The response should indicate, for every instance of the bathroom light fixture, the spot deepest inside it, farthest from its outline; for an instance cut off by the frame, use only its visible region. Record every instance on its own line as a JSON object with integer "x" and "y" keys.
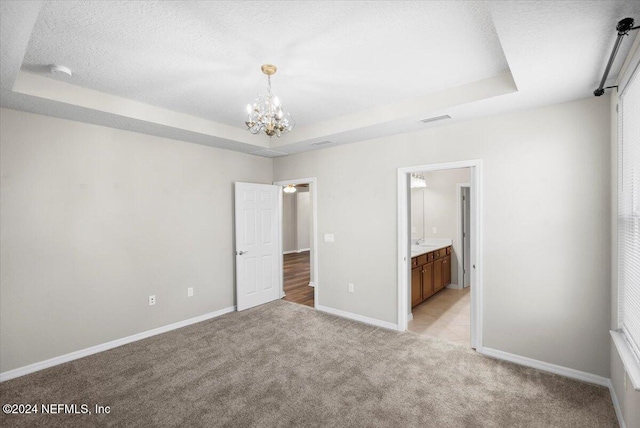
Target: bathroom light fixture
{"x": 291, "y": 188}
{"x": 266, "y": 114}
{"x": 418, "y": 181}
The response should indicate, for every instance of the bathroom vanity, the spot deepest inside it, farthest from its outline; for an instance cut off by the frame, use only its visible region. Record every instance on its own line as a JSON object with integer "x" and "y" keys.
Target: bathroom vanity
{"x": 430, "y": 272}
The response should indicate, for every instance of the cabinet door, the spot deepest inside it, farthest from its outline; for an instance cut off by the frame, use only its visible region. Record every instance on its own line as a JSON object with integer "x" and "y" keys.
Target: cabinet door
{"x": 416, "y": 286}
{"x": 446, "y": 271}
{"x": 437, "y": 275}
{"x": 427, "y": 280}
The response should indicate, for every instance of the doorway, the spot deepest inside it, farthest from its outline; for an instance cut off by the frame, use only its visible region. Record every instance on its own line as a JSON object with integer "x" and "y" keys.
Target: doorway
{"x": 298, "y": 199}
{"x": 440, "y": 252}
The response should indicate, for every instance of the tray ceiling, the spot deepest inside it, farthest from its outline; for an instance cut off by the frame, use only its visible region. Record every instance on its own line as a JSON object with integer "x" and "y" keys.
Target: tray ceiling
{"x": 348, "y": 71}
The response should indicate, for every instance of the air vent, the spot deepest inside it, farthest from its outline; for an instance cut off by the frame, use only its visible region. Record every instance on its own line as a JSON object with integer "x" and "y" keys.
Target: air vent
{"x": 322, "y": 143}
{"x": 434, "y": 119}
{"x": 268, "y": 153}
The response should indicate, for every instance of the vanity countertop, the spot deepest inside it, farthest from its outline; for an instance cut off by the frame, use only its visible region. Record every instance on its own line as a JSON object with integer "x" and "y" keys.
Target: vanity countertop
{"x": 429, "y": 245}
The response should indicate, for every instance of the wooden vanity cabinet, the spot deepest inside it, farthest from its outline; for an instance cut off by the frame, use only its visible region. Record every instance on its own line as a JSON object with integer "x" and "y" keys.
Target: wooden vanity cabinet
{"x": 416, "y": 285}
{"x": 446, "y": 270}
{"x": 427, "y": 281}
{"x": 430, "y": 273}
{"x": 438, "y": 283}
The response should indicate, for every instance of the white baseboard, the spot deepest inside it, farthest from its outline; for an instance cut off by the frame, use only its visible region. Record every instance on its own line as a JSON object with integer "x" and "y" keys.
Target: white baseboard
{"x": 312, "y": 284}
{"x": 454, "y": 286}
{"x": 289, "y": 252}
{"x": 21, "y": 371}
{"x": 302, "y": 250}
{"x": 410, "y": 317}
{"x": 356, "y": 317}
{"x": 616, "y": 405}
{"x": 547, "y": 367}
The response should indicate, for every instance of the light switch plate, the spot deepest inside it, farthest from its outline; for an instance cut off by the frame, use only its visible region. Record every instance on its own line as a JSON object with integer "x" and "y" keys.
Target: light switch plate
{"x": 434, "y": 230}
{"x": 328, "y": 237}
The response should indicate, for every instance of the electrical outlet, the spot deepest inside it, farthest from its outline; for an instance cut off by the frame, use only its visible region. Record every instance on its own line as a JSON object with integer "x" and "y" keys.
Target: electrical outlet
{"x": 351, "y": 287}
{"x": 152, "y": 300}
{"x": 190, "y": 292}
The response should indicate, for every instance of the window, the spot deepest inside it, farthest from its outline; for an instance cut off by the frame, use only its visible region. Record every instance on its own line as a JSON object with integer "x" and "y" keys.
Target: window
{"x": 629, "y": 214}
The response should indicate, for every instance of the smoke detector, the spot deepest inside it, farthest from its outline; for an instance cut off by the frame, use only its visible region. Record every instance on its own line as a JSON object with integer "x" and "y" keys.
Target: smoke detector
{"x": 58, "y": 69}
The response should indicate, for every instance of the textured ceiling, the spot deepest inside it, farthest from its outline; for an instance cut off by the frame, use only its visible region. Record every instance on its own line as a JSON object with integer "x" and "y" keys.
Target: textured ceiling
{"x": 348, "y": 71}
{"x": 203, "y": 58}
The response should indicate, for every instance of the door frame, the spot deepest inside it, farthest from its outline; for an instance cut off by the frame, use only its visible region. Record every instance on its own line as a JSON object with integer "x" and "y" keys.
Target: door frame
{"x": 313, "y": 190}
{"x": 404, "y": 243}
{"x": 460, "y": 243}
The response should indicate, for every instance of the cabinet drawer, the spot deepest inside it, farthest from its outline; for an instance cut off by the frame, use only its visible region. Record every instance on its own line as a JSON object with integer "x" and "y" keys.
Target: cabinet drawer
{"x": 439, "y": 253}
{"x": 414, "y": 262}
{"x": 448, "y": 250}
{"x": 422, "y": 259}
{"x": 429, "y": 257}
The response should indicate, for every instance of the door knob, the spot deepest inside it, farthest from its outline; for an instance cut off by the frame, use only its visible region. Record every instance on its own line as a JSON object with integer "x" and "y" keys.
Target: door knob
{"x": 241, "y": 252}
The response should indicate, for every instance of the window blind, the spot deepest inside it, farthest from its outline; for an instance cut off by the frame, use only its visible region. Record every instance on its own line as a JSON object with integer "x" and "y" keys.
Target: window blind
{"x": 629, "y": 212}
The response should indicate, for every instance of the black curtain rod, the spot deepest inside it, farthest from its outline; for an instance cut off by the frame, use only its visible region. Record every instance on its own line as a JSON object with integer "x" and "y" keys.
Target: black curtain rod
{"x": 623, "y": 28}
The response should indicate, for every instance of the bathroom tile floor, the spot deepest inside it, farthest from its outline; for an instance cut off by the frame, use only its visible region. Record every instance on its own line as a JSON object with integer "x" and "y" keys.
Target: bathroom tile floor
{"x": 446, "y": 316}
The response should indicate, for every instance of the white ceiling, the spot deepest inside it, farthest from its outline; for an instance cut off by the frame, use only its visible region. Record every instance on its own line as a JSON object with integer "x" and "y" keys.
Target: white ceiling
{"x": 348, "y": 71}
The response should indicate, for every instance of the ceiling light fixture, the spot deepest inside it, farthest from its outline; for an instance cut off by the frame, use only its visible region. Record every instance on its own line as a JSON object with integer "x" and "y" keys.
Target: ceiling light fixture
{"x": 418, "y": 181}
{"x": 266, "y": 114}
{"x": 291, "y": 188}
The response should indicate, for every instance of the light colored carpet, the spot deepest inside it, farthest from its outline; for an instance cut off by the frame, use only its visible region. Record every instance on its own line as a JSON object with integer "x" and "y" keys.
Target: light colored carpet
{"x": 283, "y": 364}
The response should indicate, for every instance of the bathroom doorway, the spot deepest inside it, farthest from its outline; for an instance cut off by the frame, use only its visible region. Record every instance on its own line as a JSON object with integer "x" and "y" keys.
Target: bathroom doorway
{"x": 440, "y": 305}
{"x": 298, "y": 243}
{"x": 431, "y": 274}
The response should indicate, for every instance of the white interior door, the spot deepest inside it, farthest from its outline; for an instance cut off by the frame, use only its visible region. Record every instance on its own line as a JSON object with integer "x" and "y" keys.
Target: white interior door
{"x": 257, "y": 244}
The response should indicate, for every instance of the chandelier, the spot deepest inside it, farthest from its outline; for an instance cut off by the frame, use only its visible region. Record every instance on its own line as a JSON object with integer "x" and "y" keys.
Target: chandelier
{"x": 266, "y": 114}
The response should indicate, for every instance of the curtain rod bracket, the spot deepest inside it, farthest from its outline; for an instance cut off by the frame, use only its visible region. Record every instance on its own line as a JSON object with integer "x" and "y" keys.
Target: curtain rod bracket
{"x": 624, "y": 26}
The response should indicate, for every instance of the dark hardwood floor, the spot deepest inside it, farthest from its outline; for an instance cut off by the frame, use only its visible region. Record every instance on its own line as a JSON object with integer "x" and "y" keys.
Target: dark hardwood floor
{"x": 296, "y": 278}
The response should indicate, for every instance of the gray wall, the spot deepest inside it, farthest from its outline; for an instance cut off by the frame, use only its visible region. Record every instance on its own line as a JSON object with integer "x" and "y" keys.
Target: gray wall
{"x": 303, "y": 211}
{"x": 289, "y": 223}
{"x": 94, "y": 220}
{"x": 296, "y": 221}
{"x": 437, "y": 206}
{"x": 546, "y": 225}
